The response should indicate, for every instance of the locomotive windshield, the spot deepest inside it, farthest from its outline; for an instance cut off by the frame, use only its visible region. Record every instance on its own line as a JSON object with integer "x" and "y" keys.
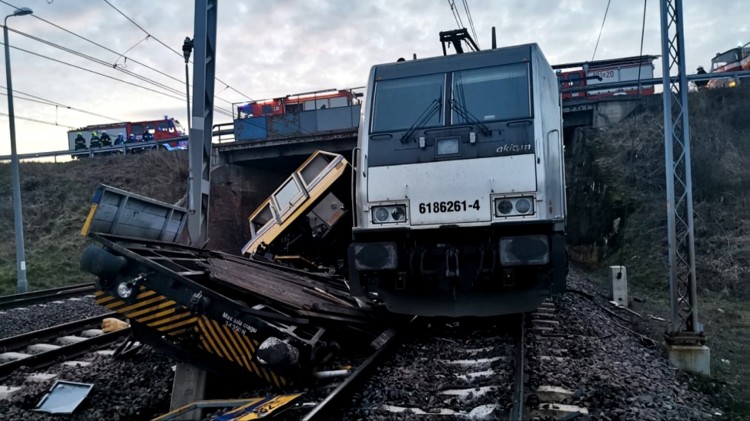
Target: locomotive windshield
{"x": 477, "y": 96}
{"x": 494, "y": 93}
{"x": 401, "y": 103}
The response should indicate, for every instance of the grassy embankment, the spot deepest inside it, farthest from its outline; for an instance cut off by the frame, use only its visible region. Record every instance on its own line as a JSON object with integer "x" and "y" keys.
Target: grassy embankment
{"x": 56, "y": 198}
{"x": 629, "y": 159}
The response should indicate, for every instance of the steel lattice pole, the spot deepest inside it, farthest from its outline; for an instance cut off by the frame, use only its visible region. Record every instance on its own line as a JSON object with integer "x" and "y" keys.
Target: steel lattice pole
{"x": 684, "y": 326}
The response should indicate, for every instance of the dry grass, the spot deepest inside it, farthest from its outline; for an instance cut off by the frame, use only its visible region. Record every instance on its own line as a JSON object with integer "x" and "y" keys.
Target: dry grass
{"x": 56, "y": 199}
{"x": 629, "y": 160}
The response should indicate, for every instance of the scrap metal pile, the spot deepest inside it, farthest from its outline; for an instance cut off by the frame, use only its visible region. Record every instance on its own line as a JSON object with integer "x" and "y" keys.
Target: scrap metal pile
{"x": 225, "y": 313}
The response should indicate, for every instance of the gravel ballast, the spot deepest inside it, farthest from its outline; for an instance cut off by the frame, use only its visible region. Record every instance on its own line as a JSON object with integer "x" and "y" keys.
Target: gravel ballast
{"x": 40, "y": 316}
{"x": 614, "y": 373}
{"x": 135, "y": 388}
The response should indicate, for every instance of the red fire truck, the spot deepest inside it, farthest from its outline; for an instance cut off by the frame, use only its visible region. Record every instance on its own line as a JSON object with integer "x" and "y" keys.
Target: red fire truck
{"x": 164, "y": 129}
{"x": 734, "y": 60}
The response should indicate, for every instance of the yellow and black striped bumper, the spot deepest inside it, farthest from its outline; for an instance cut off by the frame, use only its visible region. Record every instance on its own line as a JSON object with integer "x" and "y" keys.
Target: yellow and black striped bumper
{"x": 155, "y": 311}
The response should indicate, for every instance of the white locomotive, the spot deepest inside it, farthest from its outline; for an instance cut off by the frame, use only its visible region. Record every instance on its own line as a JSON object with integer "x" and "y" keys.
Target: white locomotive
{"x": 459, "y": 185}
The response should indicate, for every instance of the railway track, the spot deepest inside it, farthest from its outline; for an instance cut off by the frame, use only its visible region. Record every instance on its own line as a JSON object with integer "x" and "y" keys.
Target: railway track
{"x": 459, "y": 370}
{"x": 44, "y": 347}
{"x": 551, "y": 352}
{"x": 46, "y": 295}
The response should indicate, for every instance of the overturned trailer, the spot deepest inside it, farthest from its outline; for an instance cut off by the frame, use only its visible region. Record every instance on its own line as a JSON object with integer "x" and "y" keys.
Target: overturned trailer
{"x": 222, "y": 312}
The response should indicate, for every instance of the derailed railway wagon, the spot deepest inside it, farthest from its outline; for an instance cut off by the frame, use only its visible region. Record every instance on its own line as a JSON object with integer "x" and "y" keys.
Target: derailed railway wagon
{"x": 222, "y": 312}
{"x": 459, "y": 185}
{"x": 306, "y": 221}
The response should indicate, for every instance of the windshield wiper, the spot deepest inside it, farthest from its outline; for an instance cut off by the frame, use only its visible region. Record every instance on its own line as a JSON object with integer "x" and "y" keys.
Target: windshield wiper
{"x": 469, "y": 117}
{"x": 432, "y": 108}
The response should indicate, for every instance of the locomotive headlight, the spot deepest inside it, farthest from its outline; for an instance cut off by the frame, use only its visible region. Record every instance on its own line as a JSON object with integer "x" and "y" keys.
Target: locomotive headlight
{"x": 398, "y": 214}
{"x": 124, "y": 290}
{"x": 514, "y": 206}
{"x": 503, "y": 206}
{"x": 388, "y": 214}
{"x": 524, "y": 250}
{"x": 381, "y": 214}
{"x": 523, "y": 205}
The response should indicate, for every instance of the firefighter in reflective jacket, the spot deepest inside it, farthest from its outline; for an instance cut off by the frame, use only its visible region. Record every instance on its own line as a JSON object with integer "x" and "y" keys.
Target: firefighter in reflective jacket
{"x": 95, "y": 143}
{"x": 80, "y": 142}
{"x": 106, "y": 140}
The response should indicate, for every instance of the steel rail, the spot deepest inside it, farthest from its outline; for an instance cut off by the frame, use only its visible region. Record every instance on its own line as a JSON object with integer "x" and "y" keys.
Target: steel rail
{"x": 48, "y": 358}
{"x": 517, "y": 412}
{"x": 345, "y": 390}
{"x": 39, "y": 336}
{"x": 34, "y": 297}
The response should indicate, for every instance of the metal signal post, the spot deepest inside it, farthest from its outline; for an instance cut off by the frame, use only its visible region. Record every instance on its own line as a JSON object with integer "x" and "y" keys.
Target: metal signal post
{"x": 204, "y": 71}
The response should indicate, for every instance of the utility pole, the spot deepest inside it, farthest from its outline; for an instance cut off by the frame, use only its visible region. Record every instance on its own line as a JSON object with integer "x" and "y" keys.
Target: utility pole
{"x": 22, "y": 283}
{"x": 685, "y": 339}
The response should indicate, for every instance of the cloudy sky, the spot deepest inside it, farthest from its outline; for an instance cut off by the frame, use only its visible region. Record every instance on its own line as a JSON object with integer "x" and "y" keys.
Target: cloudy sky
{"x": 274, "y": 48}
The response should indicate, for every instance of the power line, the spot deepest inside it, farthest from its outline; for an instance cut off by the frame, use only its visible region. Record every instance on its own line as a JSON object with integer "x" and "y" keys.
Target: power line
{"x": 37, "y": 121}
{"x": 98, "y": 61}
{"x": 94, "y": 72}
{"x": 471, "y": 21}
{"x": 643, "y": 33}
{"x": 456, "y": 15}
{"x": 179, "y": 53}
{"x": 34, "y": 98}
{"x": 104, "y": 63}
{"x": 601, "y": 29}
{"x": 167, "y": 88}
{"x": 120, "y": 55}
{"x": 111, "y": 77}
{"x": 631, "y": 158}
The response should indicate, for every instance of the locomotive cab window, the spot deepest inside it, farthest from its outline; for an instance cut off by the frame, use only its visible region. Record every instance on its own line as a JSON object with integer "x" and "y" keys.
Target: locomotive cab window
{"x": 413, "y": 101}
{"x": 489, "y": 94}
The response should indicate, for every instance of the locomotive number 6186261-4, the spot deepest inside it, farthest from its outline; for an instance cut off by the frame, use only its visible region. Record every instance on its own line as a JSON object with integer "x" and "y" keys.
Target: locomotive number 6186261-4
{"x": 448, "y": 206}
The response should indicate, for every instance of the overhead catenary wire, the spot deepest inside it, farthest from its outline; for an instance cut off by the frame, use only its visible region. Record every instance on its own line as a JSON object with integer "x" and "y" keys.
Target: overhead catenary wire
{"x": 107, "y": 76}
{"x": 606, "y": 11}
{"x": 40, "y": 100}
{"x": 98, "y": 61}
{"x": 633, "y": 139}
{"x": 471, "y": 21}
{"x": 105, "y": 64}
{"x": 179, "y": 53}
{"x": 117, "y": 67}
{"x": 37, "y": 121}
{"x": 456, "y": 15}
{"x": 460, "y": 23}
{"x": 120, "y": 55}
